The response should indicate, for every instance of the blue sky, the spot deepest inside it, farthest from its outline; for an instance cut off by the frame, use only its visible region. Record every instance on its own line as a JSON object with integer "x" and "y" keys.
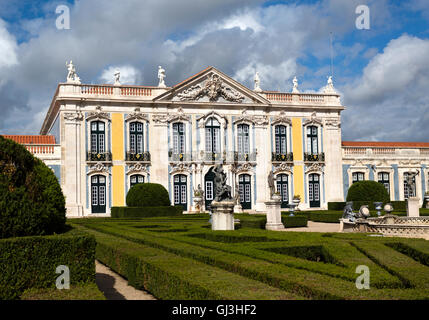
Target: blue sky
{"x": 382, "y": 73}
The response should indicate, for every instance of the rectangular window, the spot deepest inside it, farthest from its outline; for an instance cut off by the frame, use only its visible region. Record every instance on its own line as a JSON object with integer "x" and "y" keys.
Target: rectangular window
{"x": 102, "y": 196}
{"x": 209, "y": 190}
{"x": 176, "y": 195}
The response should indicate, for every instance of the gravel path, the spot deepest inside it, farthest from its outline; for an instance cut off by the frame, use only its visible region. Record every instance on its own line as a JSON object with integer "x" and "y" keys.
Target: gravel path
{"x": 317, "y": 227}
{"x": 115, "y": 287}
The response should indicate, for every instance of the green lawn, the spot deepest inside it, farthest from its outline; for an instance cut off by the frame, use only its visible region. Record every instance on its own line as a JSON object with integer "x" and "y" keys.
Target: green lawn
{"x": 181, "y": 258}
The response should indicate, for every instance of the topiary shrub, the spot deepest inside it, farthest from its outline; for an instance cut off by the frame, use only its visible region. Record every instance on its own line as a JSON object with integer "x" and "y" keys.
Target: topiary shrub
{"x": 31, "y": 200}
{"x": 148, "y": 195}
{"x": 368, "y": 191}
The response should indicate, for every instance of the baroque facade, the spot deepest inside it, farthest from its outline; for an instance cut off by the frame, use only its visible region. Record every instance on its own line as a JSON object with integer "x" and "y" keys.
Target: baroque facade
{"x": 113, "y": 136}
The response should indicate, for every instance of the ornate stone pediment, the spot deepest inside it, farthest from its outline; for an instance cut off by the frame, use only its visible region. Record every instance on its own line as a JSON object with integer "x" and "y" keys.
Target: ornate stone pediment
{"x": 179, "y": 116}
{"x": 281, "y": 119}
{"x": 314, "y": 120}
{"x": 211, "y": 85}
{"x": 181, "y": 168}
{"x": 315, "y": 167}
{"x": 98, "y": 168}
{"x": 282, "y": 167}
{"x": 202, "y": 120}
{"x": 138, "y": 168}
{"x": 137, "y": 115}
{"x": 245, "y": 167}
{"x": 98, "y": 115}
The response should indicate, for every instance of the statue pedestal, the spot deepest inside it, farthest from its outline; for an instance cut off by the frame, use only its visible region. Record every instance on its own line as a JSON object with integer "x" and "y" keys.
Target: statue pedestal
{"x": 274, "y": 218}
{"x": 413, "y": 207}
{"x": 222, "y": 215}
{"x": 238, "y": 208}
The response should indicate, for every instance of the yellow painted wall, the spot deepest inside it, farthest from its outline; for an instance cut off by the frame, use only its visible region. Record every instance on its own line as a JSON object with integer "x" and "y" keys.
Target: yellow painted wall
{"x": 118, "y": 136}
{"x": 118, "y": 177}
{"x": 118, "y": 148}
{"x": 298, "y": 170}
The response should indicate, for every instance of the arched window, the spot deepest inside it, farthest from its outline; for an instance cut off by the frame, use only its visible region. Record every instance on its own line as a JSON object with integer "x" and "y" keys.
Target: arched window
{"x": 97, "y": 137}
{"x": 281, "y": 139}
{"x": 243, "y": 138}
{"x": 383, "y": 177}
{"x": 312, "y": 140}
{"x": 213, "y": 135}
{"x": 358, "y": 176}
{"x": 136, "y": 138}
{"x": 135, "y": 179}
{"x": 178, "y": 138}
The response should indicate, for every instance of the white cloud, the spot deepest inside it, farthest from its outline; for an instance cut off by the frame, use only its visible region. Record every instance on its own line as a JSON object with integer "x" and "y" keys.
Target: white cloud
{"x": 8, "y": 47}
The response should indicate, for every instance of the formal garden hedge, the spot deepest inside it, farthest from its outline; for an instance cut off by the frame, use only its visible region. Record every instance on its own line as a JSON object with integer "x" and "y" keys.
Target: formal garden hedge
{"x": 147, "y": 195}
{"x": 197, "y": 263}
{"x": 140, "y": 212}
{"x": 259, "y": 221}
{"x": 31, "y": 262}
{"x": 31, "y": 200}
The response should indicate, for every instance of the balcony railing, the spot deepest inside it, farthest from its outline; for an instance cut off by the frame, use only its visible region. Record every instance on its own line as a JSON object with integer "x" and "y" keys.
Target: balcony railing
{"x": 211, "y": 156}
{"x": 241, "y": 157}
{"x": 143, "y": 157}
{"x": 282, "y": 157}
{"x": 99, "y": 156}
{"x": 180, "y": 156}
{"x": 316, "y": 157}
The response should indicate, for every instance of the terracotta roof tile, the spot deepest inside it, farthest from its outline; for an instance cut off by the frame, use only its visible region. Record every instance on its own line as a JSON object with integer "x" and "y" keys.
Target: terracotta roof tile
{"x": 380, "y": 144}
{"x": 28, "y": 139}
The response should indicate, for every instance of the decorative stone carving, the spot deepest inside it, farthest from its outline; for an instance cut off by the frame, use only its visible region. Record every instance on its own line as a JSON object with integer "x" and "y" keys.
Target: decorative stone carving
{"x": 160, "y": 118}
{"x": 282, "y": 167}
{"x": 333, "y": 123}
{"x": 222, "y": 190}
{"x": 179, "y": 116}
{"x": 213, "y": 88}
{"x": 271, "y": 183}
{"x": 314, "y": 120}
{"x": 315, "y": 167}
{"x": 138, "y": 168}
{"x": 98, "y": 168}
{"x": 281, "y": 119}
{"x": 137, "y": 115}
{"x": 260, "y": 120}
{"x": 98, "y": 115}
{"x": 72, "y": 76}
{"x": 181, "y": 168}
{"x": 73, "y": 116}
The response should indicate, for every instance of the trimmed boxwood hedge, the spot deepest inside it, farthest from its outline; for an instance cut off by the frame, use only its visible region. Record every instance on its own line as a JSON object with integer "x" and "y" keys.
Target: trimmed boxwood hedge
{"x": 295, "y": 221}
{"x": 31, "y": 200}
{"x": 368, "y": 190}
{"x": 148, "y": 195}
{"x": 31, "y": 262}
{"x": 140, "y": 212}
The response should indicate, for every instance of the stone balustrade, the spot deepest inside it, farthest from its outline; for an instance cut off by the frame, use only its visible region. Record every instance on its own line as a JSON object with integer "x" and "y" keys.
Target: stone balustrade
{"x": 302, "y": 98}
{"x": 352, "y": 152}
{"x": 44, "y": 151}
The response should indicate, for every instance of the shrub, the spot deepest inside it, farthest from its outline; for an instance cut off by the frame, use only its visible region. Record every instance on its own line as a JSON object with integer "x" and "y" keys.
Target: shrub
{"x": 336, "y": 205}
{"x": 294, "y": 222}
{"x": 370, "y": 191}
{"x": 139, "y": 212}
{"x": 148, "y": 195}
{"x": 30, "y": 262}
{"x": 31, "y": 200}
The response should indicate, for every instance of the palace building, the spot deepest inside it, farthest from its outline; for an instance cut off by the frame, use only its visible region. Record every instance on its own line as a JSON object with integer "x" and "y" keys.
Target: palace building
{"x": 110, "y": 137}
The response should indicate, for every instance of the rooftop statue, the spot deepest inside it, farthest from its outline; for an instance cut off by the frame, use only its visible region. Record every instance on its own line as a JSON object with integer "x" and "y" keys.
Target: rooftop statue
{"x": 295, "y": 85}
{"x": 329, "y": 88}
{"x": 257, "y": 81}
{"x": 161, "y": 76}
{"x": 117, "y": 76}
{"x": 72, "y": 75}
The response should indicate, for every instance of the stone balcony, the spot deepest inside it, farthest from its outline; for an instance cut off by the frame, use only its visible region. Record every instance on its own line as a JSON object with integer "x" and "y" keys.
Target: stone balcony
{"x": 212, "y": 157}
{"x": 380, "y": 152}
{"x": 322, "y": 99}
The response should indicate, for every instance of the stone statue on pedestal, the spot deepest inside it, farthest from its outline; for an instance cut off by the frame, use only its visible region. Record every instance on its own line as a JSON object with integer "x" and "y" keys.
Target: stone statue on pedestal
{"x": 257, "y": 81}
{"x": 222, "y": 190}
{"x": 271, "y": 184}
{"x": 161, "y": 76}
